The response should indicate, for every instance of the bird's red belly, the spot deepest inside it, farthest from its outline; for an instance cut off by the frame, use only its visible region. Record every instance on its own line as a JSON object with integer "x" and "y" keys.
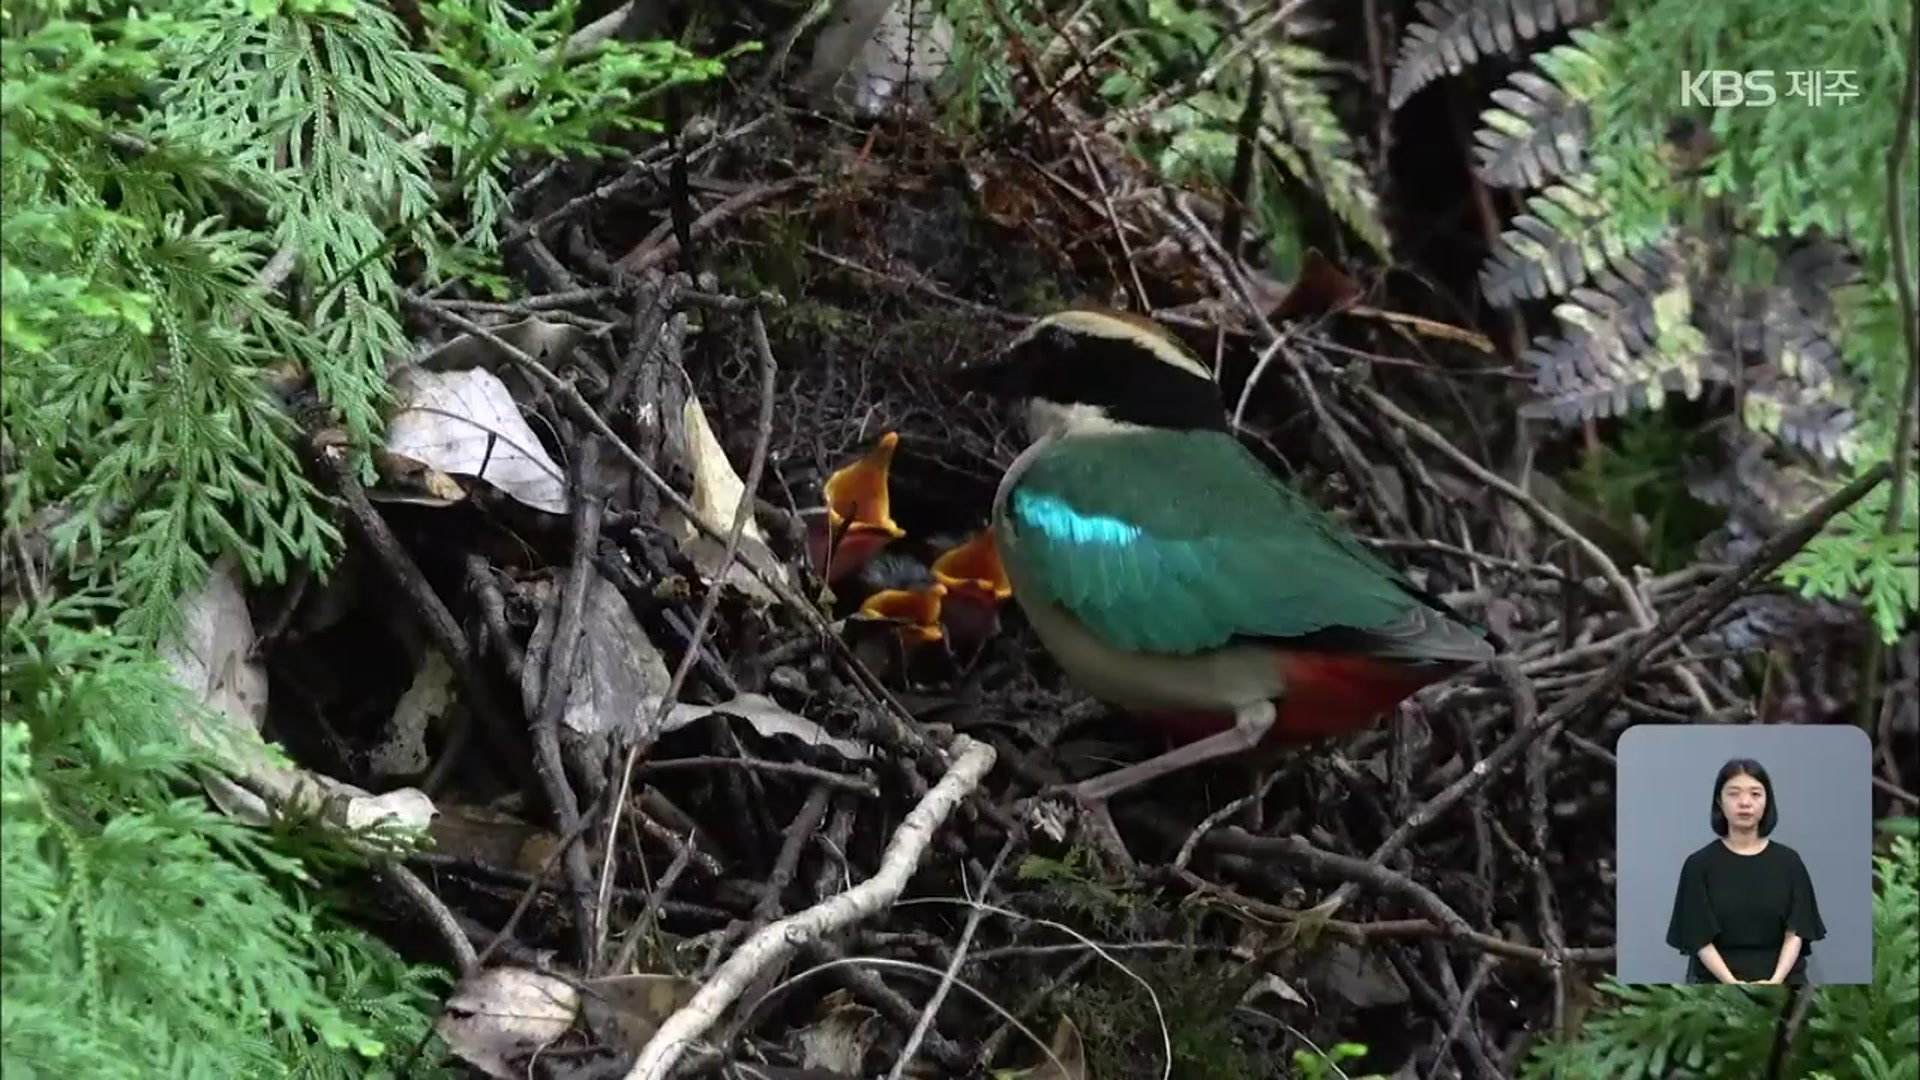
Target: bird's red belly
{"x": 1327, "y": 694}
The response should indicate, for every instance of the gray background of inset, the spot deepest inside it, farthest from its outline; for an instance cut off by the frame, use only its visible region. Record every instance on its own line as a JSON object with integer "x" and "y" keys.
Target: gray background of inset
{"x": 1822, "y": 777}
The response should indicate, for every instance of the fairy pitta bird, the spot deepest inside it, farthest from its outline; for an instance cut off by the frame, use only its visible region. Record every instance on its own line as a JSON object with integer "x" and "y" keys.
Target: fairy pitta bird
{"x": 1170, "y": 573}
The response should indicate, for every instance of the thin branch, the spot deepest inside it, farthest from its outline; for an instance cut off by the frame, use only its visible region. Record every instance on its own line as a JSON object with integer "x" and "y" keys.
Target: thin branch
{"x": 1635, "y": 602}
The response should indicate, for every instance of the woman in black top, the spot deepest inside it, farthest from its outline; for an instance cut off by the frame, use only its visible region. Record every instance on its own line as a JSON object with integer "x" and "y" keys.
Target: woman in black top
{"x": 1744, "y": 911}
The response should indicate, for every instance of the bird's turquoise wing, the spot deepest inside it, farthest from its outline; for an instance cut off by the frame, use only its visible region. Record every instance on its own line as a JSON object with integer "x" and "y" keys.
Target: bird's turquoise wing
{"x": 1177, "y": 541}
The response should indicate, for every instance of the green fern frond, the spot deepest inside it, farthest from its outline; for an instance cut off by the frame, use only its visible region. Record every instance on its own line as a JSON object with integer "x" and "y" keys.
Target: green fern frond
{"x": 1536, "y": 129}
{"x": 1790, "y": 169}
{"x": 1196, "y": 135}
{"x": 1325, "y": 157}
{"x": 1452, "y": 34}
{"x": 1568, "y": 234}
{"x": 1856, "y": 558}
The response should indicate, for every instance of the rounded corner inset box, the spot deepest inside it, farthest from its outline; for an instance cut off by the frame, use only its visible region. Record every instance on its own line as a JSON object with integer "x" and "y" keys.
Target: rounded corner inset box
{"x": 1744, "y": 854}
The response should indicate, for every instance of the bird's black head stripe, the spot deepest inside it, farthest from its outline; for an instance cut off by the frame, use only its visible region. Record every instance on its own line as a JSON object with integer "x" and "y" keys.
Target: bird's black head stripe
{"x": 1121, "y": 377}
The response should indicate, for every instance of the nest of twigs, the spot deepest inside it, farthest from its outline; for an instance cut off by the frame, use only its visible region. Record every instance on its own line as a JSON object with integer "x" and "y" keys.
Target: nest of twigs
{"x": 866, "y": 884}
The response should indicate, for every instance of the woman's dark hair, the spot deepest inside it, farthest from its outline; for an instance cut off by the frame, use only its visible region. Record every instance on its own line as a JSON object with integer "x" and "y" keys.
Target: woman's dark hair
{"x": 1744, "y": 767}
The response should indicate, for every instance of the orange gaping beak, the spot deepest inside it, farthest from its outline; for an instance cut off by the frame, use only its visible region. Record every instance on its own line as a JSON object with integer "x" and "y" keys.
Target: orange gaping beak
{"x": 859, "y": 518}
{"x": 976, "y": 585}
{"x": 915, "y": 611}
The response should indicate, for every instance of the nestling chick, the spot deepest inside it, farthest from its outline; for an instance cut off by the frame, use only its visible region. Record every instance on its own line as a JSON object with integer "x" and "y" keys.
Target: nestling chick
{"x": 857, "y": 520}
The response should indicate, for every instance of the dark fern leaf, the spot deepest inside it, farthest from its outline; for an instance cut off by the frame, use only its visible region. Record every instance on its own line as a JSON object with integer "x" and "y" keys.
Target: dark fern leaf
{"x": 1813, "y": 270}
{"x": 1760, "y": 492}
{"x": 1538, "y": 126}
{"x": 1784, "y": 335}
{"x": 1536, "y": 133}
{"x": 1567, "y": 234}
{"x": 1817, "y": 420}
{"x": 1760, "y": 620}
{"x": 1627, "y": 342}
{"x": 1451, "y": 34}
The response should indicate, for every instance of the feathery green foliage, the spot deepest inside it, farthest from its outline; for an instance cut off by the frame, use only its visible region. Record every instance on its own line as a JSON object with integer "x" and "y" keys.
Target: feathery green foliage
{"x": 1691, "y": 1033}
{"x": 164, "y": 177}
{"x": 122, "y": 232}
{"x": 1793, "y": 169}
{"x": 1769, "y": 228}
{"x": 143, "y": 933}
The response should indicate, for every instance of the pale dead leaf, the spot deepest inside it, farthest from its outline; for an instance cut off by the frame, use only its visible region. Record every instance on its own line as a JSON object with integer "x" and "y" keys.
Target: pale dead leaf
{"x": 617, "y": 671}
{"x": 840, "y": 1039}
{"x": 408, "y": 808}
{"x": 481, "y": 834}
{"x": 1069, "y": 1060}
{"x": 500, "y": 1016}
{"x": 770, "y": 719}
{"x": 466, "y": 423}
{"x": 211, "y": 657}
{"x": 848, "y": 27}
{"x": 551, "y": 343}
{"x": 1276, "y": 986}
{"x": 717, "y": 489}
{"x": 630, "y": 1008}
{"x": 428, "y": 700}
{"x": 873, "y": 54}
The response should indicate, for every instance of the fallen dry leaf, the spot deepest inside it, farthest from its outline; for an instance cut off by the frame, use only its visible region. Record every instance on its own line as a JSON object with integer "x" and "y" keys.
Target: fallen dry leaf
{"x": 1359, "y": 977}
{"x": 716, "y": 493}
{"x": 427, "y": 701}
{"x": 1069, "y": 1060}
{"x": 466, "y": 423}
{"x": 481, "y": 834}
{"x": 630, "y": 1008}
{"x": 839, "y": 1040}
{"x": 404, "y": 480}
{"x": 552, "y": 343}
{"x": 617, "y": 671}
{"x": 875, "y": 53}
{"x": 212, "y": 659}
{"x": 770, "y": 719}
{"x": 498, "y": 1017}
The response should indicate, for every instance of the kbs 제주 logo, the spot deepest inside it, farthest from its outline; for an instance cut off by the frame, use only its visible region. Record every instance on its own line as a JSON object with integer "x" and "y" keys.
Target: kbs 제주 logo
{"x": 1722, "y": 88}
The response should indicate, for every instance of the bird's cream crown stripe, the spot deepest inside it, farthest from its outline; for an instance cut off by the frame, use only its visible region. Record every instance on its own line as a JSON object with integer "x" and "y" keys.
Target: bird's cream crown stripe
{"x": 1115, "y": 327}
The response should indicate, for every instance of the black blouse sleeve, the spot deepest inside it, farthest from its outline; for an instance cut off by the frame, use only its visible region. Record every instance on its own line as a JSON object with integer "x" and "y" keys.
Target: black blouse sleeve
{"x": 1803, "y": 907}
{"x": 1692, "y": 925}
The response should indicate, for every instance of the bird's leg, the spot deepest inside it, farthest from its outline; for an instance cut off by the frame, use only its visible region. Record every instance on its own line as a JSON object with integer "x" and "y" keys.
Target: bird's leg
{"x": 1250, "y": 725}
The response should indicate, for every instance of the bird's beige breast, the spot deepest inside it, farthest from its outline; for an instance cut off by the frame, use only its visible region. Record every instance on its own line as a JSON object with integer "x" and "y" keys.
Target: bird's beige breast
{"x": 1218, "y": 680}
